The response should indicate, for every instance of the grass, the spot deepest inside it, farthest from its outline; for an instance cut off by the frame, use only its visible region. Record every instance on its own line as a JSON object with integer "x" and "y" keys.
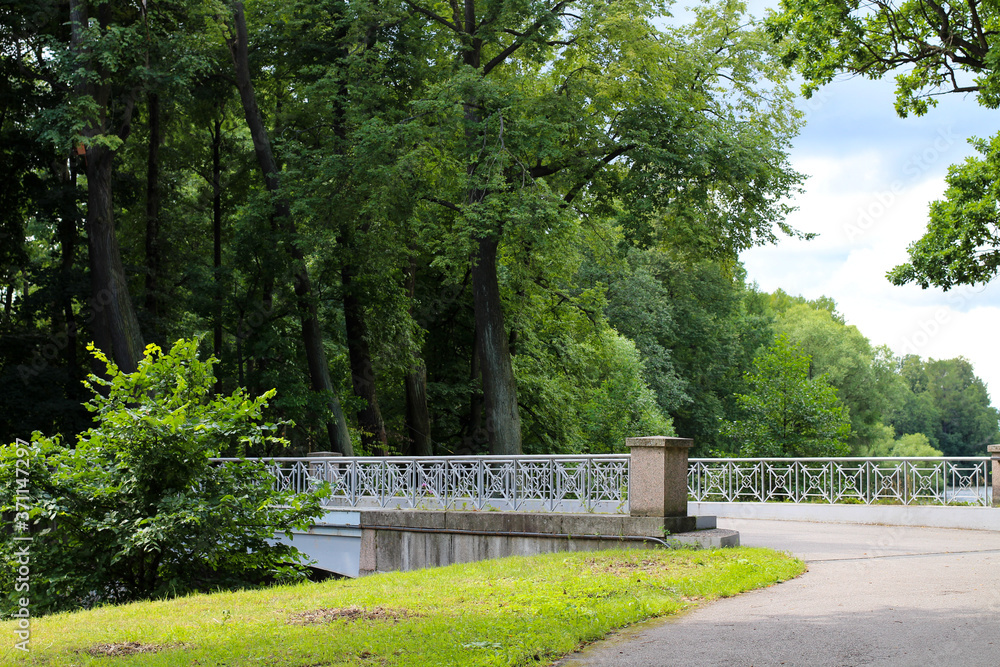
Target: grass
{"x": 513, "y": 611}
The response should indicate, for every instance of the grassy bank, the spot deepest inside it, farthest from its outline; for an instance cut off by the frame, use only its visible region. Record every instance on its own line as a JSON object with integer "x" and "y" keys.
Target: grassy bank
{"x": 515, "y": 611}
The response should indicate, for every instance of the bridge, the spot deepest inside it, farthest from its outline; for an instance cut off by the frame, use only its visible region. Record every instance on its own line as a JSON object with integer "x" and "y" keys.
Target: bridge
{"x": 398, "y": 513}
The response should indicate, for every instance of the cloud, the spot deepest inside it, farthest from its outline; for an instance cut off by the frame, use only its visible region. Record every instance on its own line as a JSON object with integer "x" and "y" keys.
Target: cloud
{"x": 872, "y": 177}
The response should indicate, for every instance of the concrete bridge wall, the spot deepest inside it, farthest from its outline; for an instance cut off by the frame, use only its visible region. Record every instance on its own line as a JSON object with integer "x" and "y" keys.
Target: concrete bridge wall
{"x": 359, "y": 542}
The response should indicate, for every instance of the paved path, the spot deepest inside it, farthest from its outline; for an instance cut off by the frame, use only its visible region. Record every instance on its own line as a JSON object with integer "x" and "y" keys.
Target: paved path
{"x": 873, "y": 595}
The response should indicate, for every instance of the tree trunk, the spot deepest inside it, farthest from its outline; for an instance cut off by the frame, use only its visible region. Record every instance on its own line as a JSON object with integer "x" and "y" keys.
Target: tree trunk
{"x": 217, "y": 233}
{"x": 115, "y": 326}
{"x": 418, "y": 421}
{"x": 362, "y": 372}
{"x": 475, "y": 435}
{"x": 153, "y": 211}
{"x": 503, "y": 421}
{"x": 319, "y": 369}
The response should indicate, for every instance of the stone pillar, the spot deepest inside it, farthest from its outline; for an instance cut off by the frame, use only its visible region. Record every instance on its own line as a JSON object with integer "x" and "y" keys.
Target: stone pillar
{"x": 657, "y": 481}
{"x": 994, "y": 451}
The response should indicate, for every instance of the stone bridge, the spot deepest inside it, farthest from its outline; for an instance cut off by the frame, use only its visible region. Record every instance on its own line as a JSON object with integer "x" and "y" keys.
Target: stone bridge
{"x": 406, "y": 513}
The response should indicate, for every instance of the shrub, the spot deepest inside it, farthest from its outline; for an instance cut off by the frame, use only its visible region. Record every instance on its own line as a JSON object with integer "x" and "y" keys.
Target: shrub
{"x": 136, "y": 509}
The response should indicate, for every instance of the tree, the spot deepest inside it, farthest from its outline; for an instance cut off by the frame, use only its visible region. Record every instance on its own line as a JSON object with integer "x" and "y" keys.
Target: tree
{"x": 948, "y": 404}
{"x": 697, "y": 326}
{"x": 237, "y": 40}
{"x": 557, "y": 111}
{"x": 912, "y": 444}
{"x": 135, "y": 509}
{"x": 968, "y": 422}
{"x": 862, "y": 375}
{"x": 937, "y": 47}
{"x": 786, "y": 412}
{"x": 962, "y": 242}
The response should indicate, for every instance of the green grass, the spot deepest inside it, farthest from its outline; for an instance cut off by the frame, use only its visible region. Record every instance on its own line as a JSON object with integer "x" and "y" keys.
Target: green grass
{"x": 514, "y": 611}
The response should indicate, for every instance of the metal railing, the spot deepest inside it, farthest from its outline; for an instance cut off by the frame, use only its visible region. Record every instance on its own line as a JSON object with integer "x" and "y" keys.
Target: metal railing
{"x": 524, "y": 483}
{"x": 600, "y": 484}
{"x": 908, "y": 481}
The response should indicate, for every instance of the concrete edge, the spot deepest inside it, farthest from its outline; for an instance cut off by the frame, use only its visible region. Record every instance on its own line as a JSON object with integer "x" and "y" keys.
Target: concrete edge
{"x": 529, "y": 522}
{"x": 970, "y": 518}
{"x": 712, "y": 538}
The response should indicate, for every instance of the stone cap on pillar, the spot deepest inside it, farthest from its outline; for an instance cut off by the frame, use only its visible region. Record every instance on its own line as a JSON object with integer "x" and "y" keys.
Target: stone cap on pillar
{"x": 658, "y": 476}
{"x": 994, "y": 450}
{"x": 662, "y": 441}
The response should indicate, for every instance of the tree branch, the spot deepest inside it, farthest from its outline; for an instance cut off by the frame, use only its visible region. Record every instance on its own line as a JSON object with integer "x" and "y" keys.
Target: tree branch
{"x": 442, "y": 202}
{"x": 519, "y": 42}
{"x": 434, "y": 17}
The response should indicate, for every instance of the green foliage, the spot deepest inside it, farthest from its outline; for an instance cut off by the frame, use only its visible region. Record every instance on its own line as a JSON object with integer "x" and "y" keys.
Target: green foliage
{"x": 780, "y": 302}
{"x": 935, "y": 46}
{"x": 584, "y": 392}
{"x": 912, "y": 444}
{"x": 787, "y": 412}
{"x": 962, "y": 243}
{"x": 697, "y": 326}
{"x": 862, "y": 375}
{"x": 968, "y": 423}
{"x": 947, "y": 403}
{"x": 136, "y": 510}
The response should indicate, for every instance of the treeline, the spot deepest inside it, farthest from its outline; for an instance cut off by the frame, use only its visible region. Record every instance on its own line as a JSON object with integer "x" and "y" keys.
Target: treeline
{"x": 896, "y": 406}
{"x": 492, "y": 227}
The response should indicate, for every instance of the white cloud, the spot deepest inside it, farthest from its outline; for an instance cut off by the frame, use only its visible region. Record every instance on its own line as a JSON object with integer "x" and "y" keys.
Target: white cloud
{"x": 872, "y": 178}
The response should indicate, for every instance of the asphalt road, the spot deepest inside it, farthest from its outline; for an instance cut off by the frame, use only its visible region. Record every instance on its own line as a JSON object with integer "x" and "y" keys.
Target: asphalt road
{"x": 873, "y": 595}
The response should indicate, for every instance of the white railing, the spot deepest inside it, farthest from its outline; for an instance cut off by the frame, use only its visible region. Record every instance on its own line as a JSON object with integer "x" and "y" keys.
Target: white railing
{"x": 600, "y": 483}
{"x": 908, "y": 481}
{"x": 525, "y": 483}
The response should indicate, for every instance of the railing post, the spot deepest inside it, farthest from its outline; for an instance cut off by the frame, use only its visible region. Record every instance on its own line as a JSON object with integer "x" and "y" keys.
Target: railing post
{"x": 994, "y": 451}
{"x": 657, "y": 477}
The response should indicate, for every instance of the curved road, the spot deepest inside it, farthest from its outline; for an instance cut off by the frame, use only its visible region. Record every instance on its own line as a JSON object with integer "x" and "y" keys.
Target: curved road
{"x": 873, "y": 595}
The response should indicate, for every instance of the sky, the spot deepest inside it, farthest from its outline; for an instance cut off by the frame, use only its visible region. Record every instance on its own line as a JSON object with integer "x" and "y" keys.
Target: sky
{"x": 871, "y": 178}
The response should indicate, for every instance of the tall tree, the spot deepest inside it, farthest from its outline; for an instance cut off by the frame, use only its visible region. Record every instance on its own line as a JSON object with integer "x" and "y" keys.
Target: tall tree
{"x": 849, "y": 362}
{"x": 237, "y": 39}
{"x": 555, "y": 109}
{"x": 108, "y": 103}
{"x": 967, "y": 422}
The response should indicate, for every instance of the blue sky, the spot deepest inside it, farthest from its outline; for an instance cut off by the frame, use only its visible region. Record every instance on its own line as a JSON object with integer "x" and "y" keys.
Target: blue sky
{"x": 872, "y": 176}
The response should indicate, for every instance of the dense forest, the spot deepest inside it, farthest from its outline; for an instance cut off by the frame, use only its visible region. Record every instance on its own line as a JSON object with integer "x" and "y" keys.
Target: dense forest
{"x": 433, "y": 228}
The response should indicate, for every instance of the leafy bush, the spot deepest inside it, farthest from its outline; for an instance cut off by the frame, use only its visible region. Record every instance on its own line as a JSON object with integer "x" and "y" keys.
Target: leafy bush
{"x": 136, "y": 509}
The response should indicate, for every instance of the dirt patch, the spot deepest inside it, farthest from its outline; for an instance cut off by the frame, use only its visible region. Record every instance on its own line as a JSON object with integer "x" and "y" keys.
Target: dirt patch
{"x": 659, "y": 566}
{"x": 349, "y": 614}
{"x": 119, "y": 649}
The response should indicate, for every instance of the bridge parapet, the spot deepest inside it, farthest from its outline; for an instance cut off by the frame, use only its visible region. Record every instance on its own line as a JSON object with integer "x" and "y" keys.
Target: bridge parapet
{"x": 590, "y": 484}
{"x": 850, "y": 480}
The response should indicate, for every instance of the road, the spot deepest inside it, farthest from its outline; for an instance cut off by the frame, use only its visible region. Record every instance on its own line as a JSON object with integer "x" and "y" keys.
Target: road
{"x": 873, "y": 595}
